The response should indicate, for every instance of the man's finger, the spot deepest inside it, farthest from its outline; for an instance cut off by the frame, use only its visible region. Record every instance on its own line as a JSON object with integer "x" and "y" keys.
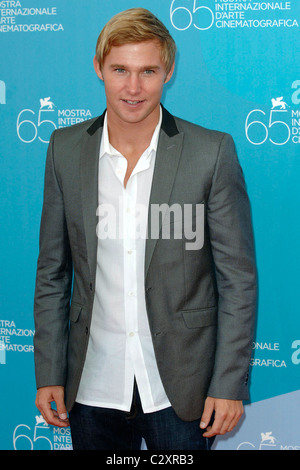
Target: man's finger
{"x": 207, "y": 413}
{"x": 48, "y": 395}
{"x": 227, "y": 415}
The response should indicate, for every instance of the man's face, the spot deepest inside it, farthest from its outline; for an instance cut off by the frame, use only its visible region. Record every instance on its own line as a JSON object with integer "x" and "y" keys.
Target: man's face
{"x": 134, "y": 76}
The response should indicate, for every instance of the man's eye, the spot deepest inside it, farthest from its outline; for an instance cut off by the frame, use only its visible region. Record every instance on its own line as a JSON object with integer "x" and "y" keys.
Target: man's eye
{"x": 149, "y": 72}
{"x": 120, "y": 70}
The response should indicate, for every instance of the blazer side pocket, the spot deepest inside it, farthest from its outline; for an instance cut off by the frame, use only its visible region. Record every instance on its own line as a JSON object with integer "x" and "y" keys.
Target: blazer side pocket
{"x": 75, "y": 311}
{"x": 198, "y": 318}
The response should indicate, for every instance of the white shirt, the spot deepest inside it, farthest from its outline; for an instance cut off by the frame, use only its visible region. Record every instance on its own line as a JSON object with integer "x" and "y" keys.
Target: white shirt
{"x": 120, "y": 345}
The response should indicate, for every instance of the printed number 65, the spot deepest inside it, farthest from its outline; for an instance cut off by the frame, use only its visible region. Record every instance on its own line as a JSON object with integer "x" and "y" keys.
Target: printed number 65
{"x": 208, "y": 16}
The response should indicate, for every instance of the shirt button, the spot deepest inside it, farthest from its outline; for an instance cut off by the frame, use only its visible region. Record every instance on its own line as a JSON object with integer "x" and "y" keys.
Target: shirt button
{"x": 131, "y": 334}
{"x": 131, "y": 294}
{"x": 129, "y": 252}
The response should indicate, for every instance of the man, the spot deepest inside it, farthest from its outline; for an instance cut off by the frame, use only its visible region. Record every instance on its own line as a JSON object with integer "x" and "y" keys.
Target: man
{"x": 139, "y": 330}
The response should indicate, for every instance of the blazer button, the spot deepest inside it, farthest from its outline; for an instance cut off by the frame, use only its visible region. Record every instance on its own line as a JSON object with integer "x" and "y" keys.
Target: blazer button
{"x": 91, "y": 286}
{"x": 86, "y": 330}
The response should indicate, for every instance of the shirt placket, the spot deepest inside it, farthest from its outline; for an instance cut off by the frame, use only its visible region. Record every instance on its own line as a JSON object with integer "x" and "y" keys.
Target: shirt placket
{"x": 132, "y": 217}
{"x": 129, "y": 253}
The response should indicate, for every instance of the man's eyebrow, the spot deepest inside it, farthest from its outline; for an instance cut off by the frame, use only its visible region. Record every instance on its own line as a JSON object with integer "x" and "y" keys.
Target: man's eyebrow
{"x": 146, "y": 67}
{"x": 151, "y": 67}
{"x": 117, "y": 66}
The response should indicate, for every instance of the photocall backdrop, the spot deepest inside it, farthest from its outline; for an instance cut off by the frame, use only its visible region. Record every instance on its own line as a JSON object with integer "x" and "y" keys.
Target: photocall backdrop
{"x": 237, "y": 71}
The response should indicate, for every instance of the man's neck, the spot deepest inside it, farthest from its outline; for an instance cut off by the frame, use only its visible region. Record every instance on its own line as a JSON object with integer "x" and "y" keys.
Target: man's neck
{"x": 131, "y": 139}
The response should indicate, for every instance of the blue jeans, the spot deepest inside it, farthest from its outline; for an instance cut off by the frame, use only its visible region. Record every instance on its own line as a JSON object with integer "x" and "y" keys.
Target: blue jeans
{"x": 94, "y": 428}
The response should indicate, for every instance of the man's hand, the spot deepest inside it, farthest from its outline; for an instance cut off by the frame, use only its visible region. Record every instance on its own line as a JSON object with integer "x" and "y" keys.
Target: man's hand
{"x": 227, "y": 415}
{"x": 45, "y": 396}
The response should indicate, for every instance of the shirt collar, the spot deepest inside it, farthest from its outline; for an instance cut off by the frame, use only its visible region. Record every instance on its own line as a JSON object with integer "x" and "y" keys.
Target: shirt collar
{"x": 107, "y": 148}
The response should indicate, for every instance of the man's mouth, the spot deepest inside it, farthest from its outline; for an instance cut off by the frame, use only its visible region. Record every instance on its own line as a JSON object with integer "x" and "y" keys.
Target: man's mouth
{"x": 133, "y": 102}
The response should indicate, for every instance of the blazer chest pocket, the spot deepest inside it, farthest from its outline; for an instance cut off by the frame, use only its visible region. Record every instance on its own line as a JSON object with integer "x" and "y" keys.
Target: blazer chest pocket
{"x": 198, "y": 318}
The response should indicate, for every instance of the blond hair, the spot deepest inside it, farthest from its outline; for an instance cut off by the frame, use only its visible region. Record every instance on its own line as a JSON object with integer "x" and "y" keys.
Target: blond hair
{"x": 136, "y": 25}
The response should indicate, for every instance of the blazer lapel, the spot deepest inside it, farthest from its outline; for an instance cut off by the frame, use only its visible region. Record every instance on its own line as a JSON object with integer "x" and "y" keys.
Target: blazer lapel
{"x": 89, "y": 162}
{"x": 166, "y": 164}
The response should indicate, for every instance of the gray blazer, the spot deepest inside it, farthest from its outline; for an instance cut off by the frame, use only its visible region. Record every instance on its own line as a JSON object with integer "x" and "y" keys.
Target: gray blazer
{"x": 200, "y": 303}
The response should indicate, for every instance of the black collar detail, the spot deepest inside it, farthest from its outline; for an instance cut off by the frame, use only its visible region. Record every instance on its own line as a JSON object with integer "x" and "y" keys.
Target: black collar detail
{"x": 96, "y": 124}
{"x": 168, "y": 124}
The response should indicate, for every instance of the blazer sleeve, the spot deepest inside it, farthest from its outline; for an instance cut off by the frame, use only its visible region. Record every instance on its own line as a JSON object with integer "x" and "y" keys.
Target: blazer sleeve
{"x": 53, "y": 283}
{"x": 232, "y": 242}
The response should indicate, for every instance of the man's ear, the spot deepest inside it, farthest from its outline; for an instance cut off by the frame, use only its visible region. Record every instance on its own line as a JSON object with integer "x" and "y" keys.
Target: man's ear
{"x": 169, "y": 76}
{"x": 97, "y": 68}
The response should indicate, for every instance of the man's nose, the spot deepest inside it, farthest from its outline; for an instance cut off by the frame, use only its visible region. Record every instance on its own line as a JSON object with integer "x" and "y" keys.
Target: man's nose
{"x": 134, "y": 83}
